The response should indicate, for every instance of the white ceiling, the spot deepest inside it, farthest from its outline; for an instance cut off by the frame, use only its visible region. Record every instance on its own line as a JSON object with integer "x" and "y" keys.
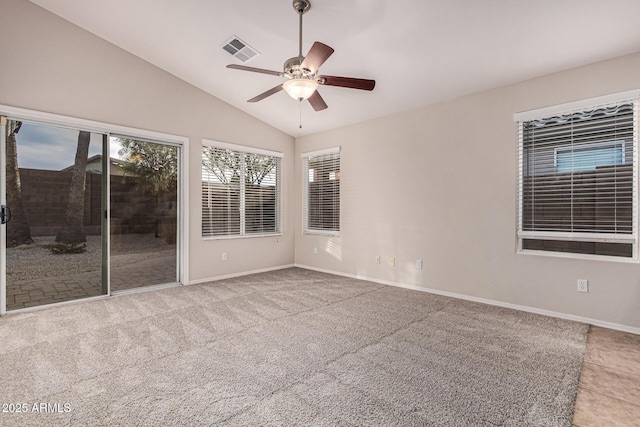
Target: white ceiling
{"x": 418, "y": 51}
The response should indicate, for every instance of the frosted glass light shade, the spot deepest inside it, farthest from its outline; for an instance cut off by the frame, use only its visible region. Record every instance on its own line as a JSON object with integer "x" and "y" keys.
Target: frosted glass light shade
{"x": 300, "y": 88}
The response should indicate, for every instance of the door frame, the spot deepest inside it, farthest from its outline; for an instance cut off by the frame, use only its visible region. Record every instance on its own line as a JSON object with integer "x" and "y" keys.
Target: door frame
{"x": 3, "y": 227}
{"x": 49, "y": 119}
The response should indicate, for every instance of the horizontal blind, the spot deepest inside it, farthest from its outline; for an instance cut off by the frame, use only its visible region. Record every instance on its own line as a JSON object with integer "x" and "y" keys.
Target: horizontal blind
{"x": 262, "y": 189}
{"x": 240, "y": 192}
{"x": 577, "y": 171}
{"x": 322, "y": 195}
{"x": 220, "y": 192}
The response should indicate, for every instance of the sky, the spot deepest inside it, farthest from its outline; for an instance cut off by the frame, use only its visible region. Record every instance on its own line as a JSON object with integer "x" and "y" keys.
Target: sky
{"x": 53, "y": 148}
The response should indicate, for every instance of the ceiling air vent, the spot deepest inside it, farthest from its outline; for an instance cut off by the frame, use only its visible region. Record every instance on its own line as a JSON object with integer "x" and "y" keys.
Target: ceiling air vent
{"x": 239, "y": 49}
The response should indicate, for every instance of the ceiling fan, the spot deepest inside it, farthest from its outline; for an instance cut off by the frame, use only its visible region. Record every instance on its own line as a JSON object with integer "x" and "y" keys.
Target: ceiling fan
{"x": 301, "y": 72}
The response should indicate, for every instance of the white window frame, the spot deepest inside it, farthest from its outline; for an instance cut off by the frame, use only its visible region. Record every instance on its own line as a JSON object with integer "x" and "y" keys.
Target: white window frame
{"x": 246, "y": 150}
{"x": 305, "y": 193}
{"x": 562, "y": 109}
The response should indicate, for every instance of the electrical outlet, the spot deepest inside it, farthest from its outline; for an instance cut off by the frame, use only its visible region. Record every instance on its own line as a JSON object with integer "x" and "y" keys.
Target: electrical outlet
{"x": 419, "y": 264}
{"x": 224, "y": 256}
{"x": 392, "y": 262}
{"x": 315, "y": 251}
{"x": 378, "y": 259}
{"x": 277, "y": 240}
{"x": 583, "y": 285}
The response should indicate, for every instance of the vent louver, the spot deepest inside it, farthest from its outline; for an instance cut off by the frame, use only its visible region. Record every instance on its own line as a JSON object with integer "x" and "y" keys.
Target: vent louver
{"x": 239, "y": 49}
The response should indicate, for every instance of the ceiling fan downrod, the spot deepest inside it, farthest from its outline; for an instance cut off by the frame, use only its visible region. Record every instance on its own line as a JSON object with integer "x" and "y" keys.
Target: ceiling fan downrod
{"x": 301, "y": 7}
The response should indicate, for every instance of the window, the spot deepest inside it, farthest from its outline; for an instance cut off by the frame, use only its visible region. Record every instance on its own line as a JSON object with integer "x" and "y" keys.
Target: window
{"x": 589, "y": 156}
{"x": 578, "y": 178}
{"x": 321, "y": 192}
{"x": 240, "y": 190}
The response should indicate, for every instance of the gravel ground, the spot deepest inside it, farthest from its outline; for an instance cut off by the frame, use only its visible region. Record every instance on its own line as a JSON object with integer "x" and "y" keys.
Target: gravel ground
{"x": 34, "y": 261}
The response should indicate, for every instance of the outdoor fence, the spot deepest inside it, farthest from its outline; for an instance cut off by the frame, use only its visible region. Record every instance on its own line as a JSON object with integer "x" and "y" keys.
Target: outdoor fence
{"x": 45, "y": 194}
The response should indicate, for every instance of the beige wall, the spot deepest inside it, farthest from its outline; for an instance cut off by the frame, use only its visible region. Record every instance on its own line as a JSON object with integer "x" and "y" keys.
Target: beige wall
{"x": 439, "y": 184}
{"x": 50, "y": 65}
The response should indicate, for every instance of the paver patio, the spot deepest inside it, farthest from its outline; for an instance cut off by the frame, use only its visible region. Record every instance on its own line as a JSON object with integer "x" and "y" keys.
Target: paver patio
{"x": 47, "y": 290}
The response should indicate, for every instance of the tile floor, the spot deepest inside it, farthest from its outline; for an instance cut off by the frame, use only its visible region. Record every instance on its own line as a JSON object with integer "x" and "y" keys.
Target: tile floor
{"x": 609, "y": 391}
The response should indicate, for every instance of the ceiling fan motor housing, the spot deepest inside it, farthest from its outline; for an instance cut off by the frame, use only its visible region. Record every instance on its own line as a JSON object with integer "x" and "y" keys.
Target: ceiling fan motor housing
{"x": 292, "y": 69}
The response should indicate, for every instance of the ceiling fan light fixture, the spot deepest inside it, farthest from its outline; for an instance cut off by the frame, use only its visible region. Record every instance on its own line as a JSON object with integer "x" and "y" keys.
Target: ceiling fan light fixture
{"x": 300, "y": 89}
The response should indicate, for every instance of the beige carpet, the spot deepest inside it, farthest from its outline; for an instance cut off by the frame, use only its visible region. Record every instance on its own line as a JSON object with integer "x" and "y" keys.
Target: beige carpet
{"x": 291, "y": 347}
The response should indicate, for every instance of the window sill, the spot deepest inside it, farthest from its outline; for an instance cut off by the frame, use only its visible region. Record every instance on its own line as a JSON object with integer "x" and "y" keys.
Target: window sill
{"x": 247, "y": 236}
{"x": 321, "y": 233}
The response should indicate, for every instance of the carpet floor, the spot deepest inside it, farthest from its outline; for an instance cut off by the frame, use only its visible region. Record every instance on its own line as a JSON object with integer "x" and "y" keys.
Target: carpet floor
{"x": 289, "y": 347}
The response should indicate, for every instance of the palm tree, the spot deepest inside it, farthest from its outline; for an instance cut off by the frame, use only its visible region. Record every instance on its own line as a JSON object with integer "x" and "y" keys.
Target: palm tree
{"x": 72, "y": 231}
{"x": 18, "y": 231}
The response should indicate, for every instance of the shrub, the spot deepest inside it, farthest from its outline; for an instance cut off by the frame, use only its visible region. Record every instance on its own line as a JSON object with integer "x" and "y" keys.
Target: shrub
{"x": 68, "y": 248}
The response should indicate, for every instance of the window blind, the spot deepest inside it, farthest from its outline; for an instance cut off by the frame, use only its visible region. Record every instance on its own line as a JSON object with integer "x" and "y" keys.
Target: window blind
{"x": 578, "y": 174}
{"x": 321, "y": 177}
{"x": 240, "y": 192}
{"x": 261, "y": 190}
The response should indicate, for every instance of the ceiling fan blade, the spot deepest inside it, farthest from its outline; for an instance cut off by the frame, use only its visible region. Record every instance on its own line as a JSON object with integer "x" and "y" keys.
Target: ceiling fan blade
{"x": 317, "y": 102}
{"x": 263, "y": 95}
{"x": 254, "y": 70}
{"x": 318, "y": 53}
{"x": 349, "y": 82}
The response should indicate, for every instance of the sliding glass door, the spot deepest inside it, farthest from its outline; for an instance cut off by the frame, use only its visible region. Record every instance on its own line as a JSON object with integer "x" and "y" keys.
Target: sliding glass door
{"x": 144, "y": 213}
{"x": 84, "y": 214}
{"x": 53, "y": 214}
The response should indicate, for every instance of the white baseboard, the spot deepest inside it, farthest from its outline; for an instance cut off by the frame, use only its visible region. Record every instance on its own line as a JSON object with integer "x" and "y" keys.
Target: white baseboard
{"x": 595, "y": 322}
{"x": 243, "y": 273}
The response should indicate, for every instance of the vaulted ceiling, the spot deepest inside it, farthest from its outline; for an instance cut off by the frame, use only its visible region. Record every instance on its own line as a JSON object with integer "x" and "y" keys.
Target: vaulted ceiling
{"x": 418, "y": 51}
